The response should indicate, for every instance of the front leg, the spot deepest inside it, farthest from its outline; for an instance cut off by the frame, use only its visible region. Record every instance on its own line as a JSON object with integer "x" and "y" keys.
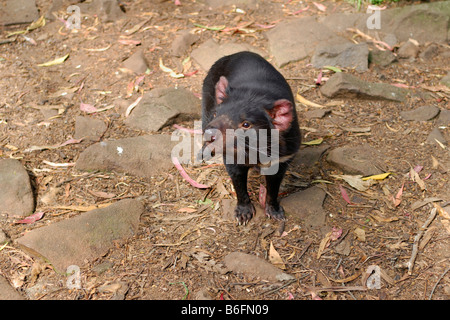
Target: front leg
{"x": 273, "y": 208}
{"x": 244, "y": 210}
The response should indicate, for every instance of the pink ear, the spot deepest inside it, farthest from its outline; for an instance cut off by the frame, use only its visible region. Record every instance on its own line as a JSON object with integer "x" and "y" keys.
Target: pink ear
{"x": 281, "y": 114}
{"x": 221, "y": 88}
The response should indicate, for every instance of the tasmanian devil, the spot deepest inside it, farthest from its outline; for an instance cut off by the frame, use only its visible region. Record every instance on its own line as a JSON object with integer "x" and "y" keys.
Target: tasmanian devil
{"x": 245, "y": 93}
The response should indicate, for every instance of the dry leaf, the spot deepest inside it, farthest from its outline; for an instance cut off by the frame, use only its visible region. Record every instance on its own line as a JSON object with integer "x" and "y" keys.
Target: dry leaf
{"x": 275, "y": 258}
{"x": 360, "y": 234}
{"x": 54, "y": 62}
{"x": 307, "y": 102}
{"x": 398, "y": 198}
{"x": 323, "y": 244}
{"x": 415, "y": 177}
{"x": 356, "y": 181}
{"x": 32, "y": 218}
{"x": 381, "y": 176}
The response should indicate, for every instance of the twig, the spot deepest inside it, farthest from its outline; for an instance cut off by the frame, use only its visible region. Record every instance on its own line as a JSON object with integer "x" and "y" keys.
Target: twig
{"x": 439, "y": 280}
{"x": 417, "y": 239}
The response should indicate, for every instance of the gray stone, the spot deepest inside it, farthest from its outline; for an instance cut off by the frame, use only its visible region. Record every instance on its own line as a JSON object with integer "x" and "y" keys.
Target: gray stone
{"x": 18, "y": 12}
{"x": 430, "y": 52}
{"x": 345, "y": 55}
{"x": 7, "y": 292}
{"x": 89, "y": 128}
{"x": 16, "y": 196}
{"x": 434, "y": 135}
{"x": 306, "y": 205}
{"x": 106, "y": 10}
{"x": 182, "y": 42}
{"x": 363, "y": 160}
{"x": 162, "y": 107}
{"x": 294, "y": 40}
{"x": 210, "y": 51}
{"x": 444, "y": 118}
{"x": 446, "y": 80}
{"x": 343, "y": 85}
{"x": 309, "y": 156}
{"x": 254, "y": 267}
{"x": 382, "y": 58}
{"x": 86, "y": 236}
{"x": 142, "y": 156}
{"x": 408, "y": 50}
{"x": 136, "y": 62}
{"x": 423, "y": 113}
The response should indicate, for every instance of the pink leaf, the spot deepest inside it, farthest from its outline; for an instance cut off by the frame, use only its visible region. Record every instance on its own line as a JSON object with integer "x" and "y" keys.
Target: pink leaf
{"x": 335, "y": 234}
{"x": 177, "y": 2}
{"x": 301, "y": 10}
{"x": 129, "y": 42}
{"x": 319, "y": 6}
{"x": 186, "y": 176}
{"x": 344, "y": 194}
{"x": 177, "y": 126}
{"x": 89, "y": 108}
{"x": 319, "y": 78}
{"x": 70, "y": 141}
{"x": 398, "y": 197}
{"x": 32, "y": 218}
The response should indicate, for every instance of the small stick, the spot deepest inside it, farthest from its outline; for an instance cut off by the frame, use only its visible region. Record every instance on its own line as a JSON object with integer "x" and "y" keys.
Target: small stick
{"x": 439, "y": 280}
{"x": 417, "y": 239}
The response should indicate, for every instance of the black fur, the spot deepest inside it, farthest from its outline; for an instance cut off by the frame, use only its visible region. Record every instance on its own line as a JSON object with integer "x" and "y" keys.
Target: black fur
{"x": 253, "y": 87}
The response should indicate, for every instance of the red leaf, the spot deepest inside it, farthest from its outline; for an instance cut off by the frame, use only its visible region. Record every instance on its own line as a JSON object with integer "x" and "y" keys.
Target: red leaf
{"x": 398, "y": 197}
{"x": 33, "y": 218}
{"x": 344, "y": 194}
{"x": 186, "y": 176}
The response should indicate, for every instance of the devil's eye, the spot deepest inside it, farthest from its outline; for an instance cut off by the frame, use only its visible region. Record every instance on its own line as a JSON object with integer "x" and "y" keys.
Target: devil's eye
{"x": 246, "y": 124}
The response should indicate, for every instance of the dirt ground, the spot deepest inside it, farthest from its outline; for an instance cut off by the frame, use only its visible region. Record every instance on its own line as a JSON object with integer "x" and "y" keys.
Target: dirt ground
{"x": 170, "y": 258}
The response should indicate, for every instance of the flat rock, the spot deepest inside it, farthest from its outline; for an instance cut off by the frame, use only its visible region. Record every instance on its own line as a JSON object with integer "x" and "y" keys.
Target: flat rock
{"x": 16, "y": 196}
{"x": 18, "y": 12}
{"x": 142, "y": 156}
{"x": 297, "y": 39}
{"x": 444, "y": 118}
{"x": 89, "y": 129}
{"x": 434, "y": 135}
{"x": 182, "y": 42}
{"x": 308, "y": 157}
{"x": 345, "y": 55}
{"x": 106, "y": 10}
{"x": 408, "y": 50}
{"x": 136, "y": 62}
{"x": 86, "y": 236}
{"x": 7, "y": 292}
{"x": 382, "y": 58}
{"x": 306, "y": 205}
{"x": 253, "y": 267}
{"x": 162, "y": 107}
{"x": 423, "y": 113}
{"x": 210, "y": 51}
{"x": 430, "y": 52}
{"x": 362, "y": 159}
{"x": 344, "y": 85}
{"x": 446, "y": 80}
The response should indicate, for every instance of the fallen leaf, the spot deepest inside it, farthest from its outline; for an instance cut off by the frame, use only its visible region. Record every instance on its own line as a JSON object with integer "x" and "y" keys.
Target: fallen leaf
{"x": 320, "y": 6}
{"x": 132, "y": 106}
{"x": 102, "y": 194}
{"x": 381, "y": 176}
{"x": 85, "y": 107}
{"x": 335, "y": 69}
{"x": 54, "y": 62}
{"x": 344, "y": 194}
{"x": 356, "y": 181}
{"x": 53, "y": 164}
{"x": 184, "y": 174}
{"x": 398, "y": 197}
{"x": 275, "y": 258}
{"x": 360, "y": 234}
{"x": 187, "y": 210}
{"x": 335, "y": 233}
{"x": 323, "y": 244}
{"x": 415, "y": 177}
{"x": 32, "y": 218}
{"x": 129, "y": 42}
{"x": 313, "y": 142}
{"x": 172, "y": 73}
{"x": 307, "y": 102}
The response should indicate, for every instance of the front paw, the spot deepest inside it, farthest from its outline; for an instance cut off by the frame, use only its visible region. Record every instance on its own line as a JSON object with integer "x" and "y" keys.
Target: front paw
{"x": 274, "y": 212}
{"x": 244, "y": 213}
